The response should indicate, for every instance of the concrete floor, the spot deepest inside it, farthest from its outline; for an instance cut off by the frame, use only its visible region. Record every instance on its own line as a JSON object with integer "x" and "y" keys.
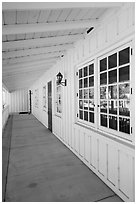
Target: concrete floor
{"x": 42, "y": 169}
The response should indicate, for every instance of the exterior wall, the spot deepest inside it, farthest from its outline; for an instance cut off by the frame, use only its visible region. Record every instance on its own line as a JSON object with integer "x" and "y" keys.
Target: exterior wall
{"x": 5, "y": 111}
{"x": 19, "y": 101}
{"x": 110, "y": 158}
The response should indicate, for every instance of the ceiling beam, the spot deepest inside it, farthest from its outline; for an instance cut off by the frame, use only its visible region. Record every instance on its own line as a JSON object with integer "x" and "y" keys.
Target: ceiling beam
{"x": 56, "y": 5}
{"x": 32, "y": 58}
{"x": 40, "y": 42}
{"x": 35, "y": 51}
{"x": 46, "y": 27}
{"x": 30, "y": 64}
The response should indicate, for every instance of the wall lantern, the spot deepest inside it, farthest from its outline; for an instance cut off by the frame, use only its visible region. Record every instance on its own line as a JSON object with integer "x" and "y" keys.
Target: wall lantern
{"x": 59, "y": 80}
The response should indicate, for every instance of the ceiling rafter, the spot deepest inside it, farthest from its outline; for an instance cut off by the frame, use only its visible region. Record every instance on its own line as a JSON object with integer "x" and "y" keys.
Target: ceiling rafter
{"x": 36, "y": 51}
{"x": 47, "y": 27}
{"x": 56, "y": 5}
{"x": 33, "y": 58}
{"x": 40, "y": 42}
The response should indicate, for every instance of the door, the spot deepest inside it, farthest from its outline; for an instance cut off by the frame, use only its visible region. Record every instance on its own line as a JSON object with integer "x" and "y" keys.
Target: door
{"x": 50, "y": 106}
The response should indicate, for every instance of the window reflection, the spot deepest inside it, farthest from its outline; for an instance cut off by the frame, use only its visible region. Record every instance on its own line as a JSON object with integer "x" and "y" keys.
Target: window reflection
{"x": 124, "y": 125}
{"x": 91, "y": 69}
{"x": 103, "y": 92}
{"x": 103, "y": 78}
{"x": 81, "y": 114}
{"x": 80, "y": 83}
{"x": 81, "y": 104}
{"x": 80, "y": 73}
{"x": 91, "y": 93}
{"x": 103, "y": 120}
{"x": 85, "y": 71}
{"x": 112, "y": 75}
{"x": 91, "y": 117}
{"x": 103, "y": 64}
{"x": 80, "y": 93}
{"x": 86, "y": 93}
{"x": 86, "y": 82}
{"x": 124, "y": 56}
{"x": 103, "y": 106}
{"x": 124, "y": 74}
{"x": 113, "y": 122}
{"x": 91, "y": 81}
{"x": 112, "y": 92}
{"x": 91, "y": 105}
{"x": 86, "y": 115}
{"x": 112, "y": 61}
{"x": 124, "y": 91}
{"x": 86, "y": 104}
{"x": 113, "y": 107}
{"x": 124, "y": 108}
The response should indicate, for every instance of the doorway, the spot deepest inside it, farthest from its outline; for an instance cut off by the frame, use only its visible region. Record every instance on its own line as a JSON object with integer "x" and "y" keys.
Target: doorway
{"x": 30, "y": 102}
{"x": 50, "y": 106}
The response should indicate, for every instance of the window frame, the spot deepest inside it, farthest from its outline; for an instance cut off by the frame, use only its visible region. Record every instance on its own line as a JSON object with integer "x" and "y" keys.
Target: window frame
{"x": 106, "y": 129}
{"x": 78, "y": 120}
{"x": 108, "y": 52}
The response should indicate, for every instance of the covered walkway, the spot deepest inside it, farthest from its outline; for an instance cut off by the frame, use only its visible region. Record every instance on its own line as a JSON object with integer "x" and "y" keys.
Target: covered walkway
{"x": 41, "y": 168}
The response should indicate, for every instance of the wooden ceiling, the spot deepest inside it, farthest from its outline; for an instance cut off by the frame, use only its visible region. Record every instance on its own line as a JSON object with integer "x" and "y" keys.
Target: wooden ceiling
{"x": 36, "y": 35}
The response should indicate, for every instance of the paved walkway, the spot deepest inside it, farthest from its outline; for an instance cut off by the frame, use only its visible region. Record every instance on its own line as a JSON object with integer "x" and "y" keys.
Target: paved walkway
{"x": 42, "y": 169}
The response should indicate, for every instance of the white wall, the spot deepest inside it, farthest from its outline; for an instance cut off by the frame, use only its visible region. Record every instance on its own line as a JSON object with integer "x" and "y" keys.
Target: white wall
{"x": 5, "y": 111}
{"x": 19, "y": 101}
{"x": 111, "y": 159}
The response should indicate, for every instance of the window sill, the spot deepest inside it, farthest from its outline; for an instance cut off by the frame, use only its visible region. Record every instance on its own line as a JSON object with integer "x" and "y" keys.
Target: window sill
{"x": 118, "y": 139}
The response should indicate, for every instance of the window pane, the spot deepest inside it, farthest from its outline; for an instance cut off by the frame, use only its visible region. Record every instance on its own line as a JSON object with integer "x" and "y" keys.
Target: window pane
{"x": 80, "y": 83}
{"x": 103, "y": 92}
{"x": 103, "y": 120}
{"x": 124, "y": 74}
{"x": 81, "y": 104}
{"x": 91, "y": 81}
{"x": 124, "y": 108}
{"x": 91, "y": 117}
{"x": 86, "y": 115}
{"x": 113, "y": 107}
{"x": 91, "y": 105}
{"x": 81, "y": 114}
{"x": 91, "y": 69}
{"x": 124, "y": 91}
{"x": 80, "y": 93}
{"x": 124, "y": 56}
{"x": 91, "y": 93}
{"x": 124, "y": 125}
{"x": 85, "y": 71}
{"x": 112, "y": 76}
{"x": 86, "y": 104}
{"x": 112, "y": 61}
{"x": 103, "y": 78}
{"x": 103, "y": 106}
{"x": 86, "y": 82}
{"x": 103, "y": 64}
{"x": 86, "y": 93}
{"x": 80, "y": 73}
{"x": 112, "y": 92}
{"x": 113, "y": 122}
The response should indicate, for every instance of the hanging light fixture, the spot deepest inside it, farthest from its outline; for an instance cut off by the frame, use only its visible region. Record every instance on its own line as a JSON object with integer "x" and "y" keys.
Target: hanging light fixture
{"x": 59, "y": 79}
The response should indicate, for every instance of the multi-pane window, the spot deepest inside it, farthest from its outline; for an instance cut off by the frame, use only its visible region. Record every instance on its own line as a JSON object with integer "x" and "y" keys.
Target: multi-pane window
{"x": 36, "y": 98}
{"x": 44, "y": 98}
{"x": 114, "y": 72}
{"x": 86, "y": 93}
{"x": 58, "y": 98}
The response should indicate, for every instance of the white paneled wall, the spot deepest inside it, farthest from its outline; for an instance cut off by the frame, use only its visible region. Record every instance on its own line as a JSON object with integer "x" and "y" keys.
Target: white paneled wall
{"x": 19, "y": 101}
{"x": 111, "y": 159}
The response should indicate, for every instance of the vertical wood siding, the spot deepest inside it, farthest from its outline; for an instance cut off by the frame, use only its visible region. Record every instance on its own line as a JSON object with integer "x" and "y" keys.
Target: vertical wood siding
{"x": 19, "y": 101}
{"x": 111, "y": 160}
